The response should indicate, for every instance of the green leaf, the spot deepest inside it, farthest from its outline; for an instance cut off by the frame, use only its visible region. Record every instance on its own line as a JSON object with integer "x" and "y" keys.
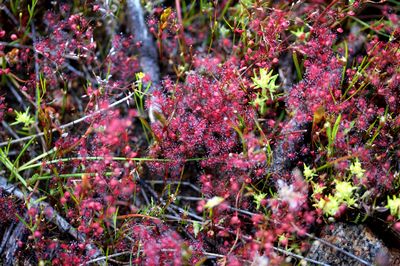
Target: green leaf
{"x": 258, "y": 198}
{"x": 308, "y": 172}
{"x": 24, "y": 118}
{"x": 266, "y": 81}
{"x": 39, "y": 200}
{"x": 23, "y": 151}
{"x": 196, "y": 228}
{"x": 336, "y": 127}
{"x": 10, "y": 166}
{"x": 356, "y": 169}
{"x": 213, "y": 202}
{"x": 394, "y": 206}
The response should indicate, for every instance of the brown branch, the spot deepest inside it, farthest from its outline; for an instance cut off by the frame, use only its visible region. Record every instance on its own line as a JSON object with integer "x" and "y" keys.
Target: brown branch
{"x": 148, "y": 55}
{"x": 147, "y": 50}
{"x": 10, "y": 243}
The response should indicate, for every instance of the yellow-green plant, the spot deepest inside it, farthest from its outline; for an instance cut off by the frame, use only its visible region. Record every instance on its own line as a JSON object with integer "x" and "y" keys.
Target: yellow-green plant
{"x": 394, "y": 206}
{"x": 24, "y": 118}
{"x": 344, "y": 194}
{"x": 356, "y": 169}
{"x": 267, "y": 83}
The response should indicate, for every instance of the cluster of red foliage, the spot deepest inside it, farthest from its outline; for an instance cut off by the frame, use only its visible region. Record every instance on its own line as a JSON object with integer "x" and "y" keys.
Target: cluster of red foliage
{"x": 201, "y": 116}
{"x": 9, "y": 209}
{"x": 210, "y": 130}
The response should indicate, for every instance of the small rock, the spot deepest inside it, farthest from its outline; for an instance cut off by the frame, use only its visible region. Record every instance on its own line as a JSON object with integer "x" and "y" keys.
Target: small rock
{"x": 355, "y": 239}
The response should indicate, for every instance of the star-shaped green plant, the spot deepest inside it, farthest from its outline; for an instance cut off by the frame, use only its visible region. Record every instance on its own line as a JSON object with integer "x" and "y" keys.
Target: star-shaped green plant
{"x": 344, "y": 194}
{"x": 356, "y": 169}
{"x": 24, "y": 118}
{"x": 266, "y": 82}
{"x": 258, "y": 198}
{"x": 308, "y": 172}
{"x": 394, "y": 206}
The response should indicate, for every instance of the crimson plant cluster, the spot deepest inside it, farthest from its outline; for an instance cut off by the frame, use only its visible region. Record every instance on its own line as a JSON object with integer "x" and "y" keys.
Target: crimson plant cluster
{"x": 272, "y": 119}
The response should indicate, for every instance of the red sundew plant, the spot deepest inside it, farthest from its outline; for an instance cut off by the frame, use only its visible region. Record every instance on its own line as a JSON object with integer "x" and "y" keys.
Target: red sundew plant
{"x": 264, "y": 121}
{"x": 206, "y": 123}
{"x": 319, "y": 89}
{"x": 9, "y": 209}
{"x": 121, "y": 61}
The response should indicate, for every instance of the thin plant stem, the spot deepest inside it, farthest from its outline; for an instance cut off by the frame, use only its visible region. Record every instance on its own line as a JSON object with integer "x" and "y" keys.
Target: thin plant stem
{"x": 29, "y": 165}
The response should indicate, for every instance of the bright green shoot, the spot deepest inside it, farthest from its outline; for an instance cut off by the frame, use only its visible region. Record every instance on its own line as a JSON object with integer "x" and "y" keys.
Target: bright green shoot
{"x": 331, "y": 133}
{"x": 24, "y": 118}
{"x": 139, "y": 95}
{"x": 267, "y": 83}
{"x": 394, "y": 206}
{"x": 10, "y": 166}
